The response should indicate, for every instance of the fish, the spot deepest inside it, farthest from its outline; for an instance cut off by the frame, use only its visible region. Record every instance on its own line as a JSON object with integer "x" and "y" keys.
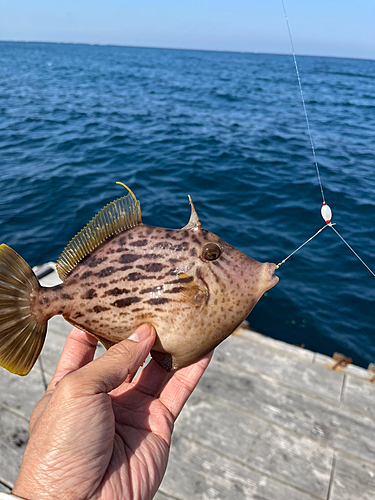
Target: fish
{"x": 118, "y": 273}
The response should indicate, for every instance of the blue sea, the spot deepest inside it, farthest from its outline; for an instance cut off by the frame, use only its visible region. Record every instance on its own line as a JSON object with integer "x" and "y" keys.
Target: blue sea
{"x": 226, "y": 128}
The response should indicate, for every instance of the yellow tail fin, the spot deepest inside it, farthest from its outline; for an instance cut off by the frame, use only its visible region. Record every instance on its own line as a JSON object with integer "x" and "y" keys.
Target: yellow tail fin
{"x": 21, "y": 335}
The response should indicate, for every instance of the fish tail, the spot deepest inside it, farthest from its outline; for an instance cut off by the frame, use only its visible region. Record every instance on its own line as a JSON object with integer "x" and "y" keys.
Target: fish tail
{"x": 21, "y": 335}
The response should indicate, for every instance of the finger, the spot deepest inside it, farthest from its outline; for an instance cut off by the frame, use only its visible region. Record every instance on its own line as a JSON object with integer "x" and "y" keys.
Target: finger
{"x": 178, "y": 389}
{"x": 79, "y": 350}
{"x": 107, "y": 372}
{"x": 127, "y": 381}
{"x": 125, "y": 384}
{"x": 152, "y": 378}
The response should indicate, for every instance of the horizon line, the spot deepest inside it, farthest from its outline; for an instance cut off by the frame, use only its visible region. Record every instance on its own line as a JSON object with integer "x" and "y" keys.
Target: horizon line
{"x": 186, "y": 49}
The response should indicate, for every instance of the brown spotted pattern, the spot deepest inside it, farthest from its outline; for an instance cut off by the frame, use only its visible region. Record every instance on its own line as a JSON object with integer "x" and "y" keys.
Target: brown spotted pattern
{"x": 159, "y": 276}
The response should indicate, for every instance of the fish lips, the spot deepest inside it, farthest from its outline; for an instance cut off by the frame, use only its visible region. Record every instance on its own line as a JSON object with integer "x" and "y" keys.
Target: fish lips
{"x": 266, "y": 279}
{"x": 269, "y": 277}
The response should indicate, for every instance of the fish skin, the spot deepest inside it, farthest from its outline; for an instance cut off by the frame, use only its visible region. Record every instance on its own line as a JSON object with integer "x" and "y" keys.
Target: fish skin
{"x": 159, "y": 276}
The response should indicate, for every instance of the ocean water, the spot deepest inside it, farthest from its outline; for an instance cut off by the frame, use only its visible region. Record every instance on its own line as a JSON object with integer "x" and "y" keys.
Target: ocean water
{"x": 226, "y": 128}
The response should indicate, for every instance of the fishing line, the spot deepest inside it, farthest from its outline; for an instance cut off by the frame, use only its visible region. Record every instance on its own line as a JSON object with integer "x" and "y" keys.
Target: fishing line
{"x": 303, "y": 102}
{"x": 355, "y": 253}
{"x": 303, "y": 244}
{"x": 325, "y": 211}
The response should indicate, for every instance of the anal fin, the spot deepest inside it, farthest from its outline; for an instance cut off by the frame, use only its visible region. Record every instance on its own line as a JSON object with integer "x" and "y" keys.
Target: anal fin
{"x": 107, "y": 343}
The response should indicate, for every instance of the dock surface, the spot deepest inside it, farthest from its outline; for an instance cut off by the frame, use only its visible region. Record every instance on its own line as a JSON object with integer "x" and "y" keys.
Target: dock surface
{"x": 268, "y": 421}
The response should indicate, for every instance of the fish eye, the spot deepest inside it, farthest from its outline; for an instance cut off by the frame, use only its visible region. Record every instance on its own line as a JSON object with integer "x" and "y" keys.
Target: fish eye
{"x": 211, "y": 252}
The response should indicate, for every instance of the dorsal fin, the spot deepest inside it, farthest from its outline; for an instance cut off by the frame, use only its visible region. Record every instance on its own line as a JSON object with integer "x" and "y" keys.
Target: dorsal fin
{"x": 194, "y": 222}
{"x": 119, "y": 215}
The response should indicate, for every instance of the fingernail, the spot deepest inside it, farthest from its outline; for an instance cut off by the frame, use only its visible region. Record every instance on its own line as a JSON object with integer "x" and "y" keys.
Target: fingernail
{"x": 141, "y": 333}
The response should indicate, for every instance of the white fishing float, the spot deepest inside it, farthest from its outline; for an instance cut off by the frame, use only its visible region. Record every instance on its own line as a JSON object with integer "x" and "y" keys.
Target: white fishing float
{"x": 325, "y": 210}
{"x": 326, "y": 213}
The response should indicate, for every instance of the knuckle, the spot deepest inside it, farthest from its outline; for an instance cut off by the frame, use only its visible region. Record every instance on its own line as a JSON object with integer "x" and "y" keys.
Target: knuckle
{"x": 66, "y": 387}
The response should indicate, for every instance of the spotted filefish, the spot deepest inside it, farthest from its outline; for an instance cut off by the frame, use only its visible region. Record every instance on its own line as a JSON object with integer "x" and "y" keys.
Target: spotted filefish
{"x": 118, "y": 273}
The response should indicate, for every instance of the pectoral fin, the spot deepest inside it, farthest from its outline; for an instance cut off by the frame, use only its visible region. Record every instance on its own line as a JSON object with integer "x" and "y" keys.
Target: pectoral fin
{"x": 192, "y": 293}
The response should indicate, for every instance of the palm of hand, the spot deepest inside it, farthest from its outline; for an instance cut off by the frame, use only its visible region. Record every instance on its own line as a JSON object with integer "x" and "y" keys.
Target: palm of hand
{"x": 103, "y": 444}
{"x": 143, "y": 428}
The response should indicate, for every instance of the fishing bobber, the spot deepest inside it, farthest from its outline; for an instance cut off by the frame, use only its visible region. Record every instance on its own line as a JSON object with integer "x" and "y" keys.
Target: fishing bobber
{"x": 326, "y": 213}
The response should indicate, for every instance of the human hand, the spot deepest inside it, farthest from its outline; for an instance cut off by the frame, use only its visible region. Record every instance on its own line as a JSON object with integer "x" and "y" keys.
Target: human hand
{"x": 96, "y": 434}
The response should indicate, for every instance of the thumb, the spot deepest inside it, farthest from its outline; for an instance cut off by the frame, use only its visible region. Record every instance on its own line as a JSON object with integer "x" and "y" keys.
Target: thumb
{"x": 111, "y": 369}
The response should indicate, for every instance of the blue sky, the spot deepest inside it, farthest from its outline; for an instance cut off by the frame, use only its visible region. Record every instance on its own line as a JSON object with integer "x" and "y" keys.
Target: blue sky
{"x": 321, "y": 27}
